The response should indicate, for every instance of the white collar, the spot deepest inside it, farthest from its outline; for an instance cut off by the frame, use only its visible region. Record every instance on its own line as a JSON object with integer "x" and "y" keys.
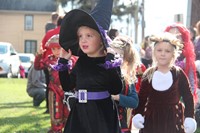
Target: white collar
{"x": 162, "y": 81}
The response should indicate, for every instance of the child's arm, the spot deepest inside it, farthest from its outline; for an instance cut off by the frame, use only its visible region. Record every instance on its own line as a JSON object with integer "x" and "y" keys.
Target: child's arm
{"x": 39, "y": 61}
{"x": 190, "y": 124}
{"x": 67, "y": 80}
{"x": 112, "y": 60}
{"x": 185, "y": 91}
{"x": 138, "y": 119}
{"x": 143, "y": 95}
{"x": 131, "y": 99}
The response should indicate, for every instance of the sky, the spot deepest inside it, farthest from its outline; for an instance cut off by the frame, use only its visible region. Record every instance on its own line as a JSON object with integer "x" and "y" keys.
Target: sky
{"x": 158, "y": 14}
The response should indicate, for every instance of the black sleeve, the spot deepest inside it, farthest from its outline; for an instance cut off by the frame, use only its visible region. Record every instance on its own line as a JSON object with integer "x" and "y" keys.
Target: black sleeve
{"x": 67, "y": 78}
{"x": 115, "y": 81}
{"x": 115, "y": 76}
{"x": 109, "y": 57}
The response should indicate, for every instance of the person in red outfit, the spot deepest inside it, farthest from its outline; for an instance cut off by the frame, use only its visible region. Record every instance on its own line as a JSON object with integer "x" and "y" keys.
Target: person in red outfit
{"x": 47, "y": 52}
{"x": 58, "y": 111}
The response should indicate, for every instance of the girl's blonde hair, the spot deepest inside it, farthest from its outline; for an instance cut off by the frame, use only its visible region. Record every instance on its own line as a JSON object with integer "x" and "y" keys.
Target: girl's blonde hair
{"x": 130, "y": 55}
{"x": 165, "y": 37}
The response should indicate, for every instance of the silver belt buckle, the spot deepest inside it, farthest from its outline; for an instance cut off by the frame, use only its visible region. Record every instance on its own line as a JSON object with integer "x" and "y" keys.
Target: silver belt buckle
{"x": 82, "y": 96}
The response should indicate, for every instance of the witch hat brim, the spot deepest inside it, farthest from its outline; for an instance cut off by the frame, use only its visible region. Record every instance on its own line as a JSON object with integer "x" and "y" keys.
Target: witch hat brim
{"x": 70, "y": 24}
{"x": 99, "y": 20}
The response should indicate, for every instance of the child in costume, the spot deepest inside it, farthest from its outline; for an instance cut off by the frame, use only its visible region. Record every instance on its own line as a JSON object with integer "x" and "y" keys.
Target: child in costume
{"x": 96, "y": 73}
{"x": 128, "y": 98}
{"x": 139, "y": 72}
{"x": 58, "y": 111}
{"x": 48, "y": 51}
{"x": 186, "y": 60}
{"x": 160, "y": 108}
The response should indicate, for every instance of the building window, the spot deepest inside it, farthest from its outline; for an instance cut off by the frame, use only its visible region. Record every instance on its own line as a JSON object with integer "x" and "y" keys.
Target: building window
{"x": 30, "y": 46}
{"x": 28, "y": 22}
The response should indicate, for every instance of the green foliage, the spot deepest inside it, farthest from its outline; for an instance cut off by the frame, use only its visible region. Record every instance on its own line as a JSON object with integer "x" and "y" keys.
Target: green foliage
{"x": 119, "y": 9}
{"x": 17, "y": 114}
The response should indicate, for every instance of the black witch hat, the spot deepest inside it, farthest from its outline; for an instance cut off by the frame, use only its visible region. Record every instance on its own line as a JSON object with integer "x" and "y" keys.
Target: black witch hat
{"x": 98, "y": 19}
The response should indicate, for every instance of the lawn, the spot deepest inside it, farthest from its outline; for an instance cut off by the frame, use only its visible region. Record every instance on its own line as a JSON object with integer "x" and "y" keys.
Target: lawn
{"x": 17, "y": 115}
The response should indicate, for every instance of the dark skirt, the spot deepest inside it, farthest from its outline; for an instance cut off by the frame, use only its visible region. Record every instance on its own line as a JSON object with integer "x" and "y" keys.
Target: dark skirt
{"x": 95, "y": 116}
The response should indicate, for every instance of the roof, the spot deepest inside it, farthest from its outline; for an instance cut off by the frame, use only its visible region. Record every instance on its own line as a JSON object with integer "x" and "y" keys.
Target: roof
{"x": 29, "y": 5}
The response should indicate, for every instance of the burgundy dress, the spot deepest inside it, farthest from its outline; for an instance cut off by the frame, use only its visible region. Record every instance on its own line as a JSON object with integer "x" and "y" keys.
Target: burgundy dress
{"x": 164, "y": 111}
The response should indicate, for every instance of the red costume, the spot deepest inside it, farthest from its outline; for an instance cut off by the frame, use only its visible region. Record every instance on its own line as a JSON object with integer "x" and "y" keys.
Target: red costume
{"x": 139, "y": 72}
{"x": 58, "y": 111}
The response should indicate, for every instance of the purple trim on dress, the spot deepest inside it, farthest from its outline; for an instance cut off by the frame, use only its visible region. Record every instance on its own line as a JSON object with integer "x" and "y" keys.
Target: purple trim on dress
{"x": 62, "y": 67}
{"x": 112, "y": 64}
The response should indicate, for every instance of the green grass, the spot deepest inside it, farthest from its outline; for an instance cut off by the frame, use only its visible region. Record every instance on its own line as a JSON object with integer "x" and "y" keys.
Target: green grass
{"x": 17, "y": 114}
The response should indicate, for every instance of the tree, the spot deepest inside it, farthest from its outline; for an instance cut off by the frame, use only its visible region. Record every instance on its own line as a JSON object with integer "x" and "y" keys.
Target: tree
{"x": 119, "y": 9}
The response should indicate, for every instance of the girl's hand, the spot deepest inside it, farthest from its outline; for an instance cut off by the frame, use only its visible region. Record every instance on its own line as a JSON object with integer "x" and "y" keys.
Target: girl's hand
{"x": 65, "y": 54}
{"x": 190, "y": 125}
{"x": 138, "y": 121}
{"x": 41, "y": 51}
{"x": 115, "y": 97}
{"x": 110, "y": 50}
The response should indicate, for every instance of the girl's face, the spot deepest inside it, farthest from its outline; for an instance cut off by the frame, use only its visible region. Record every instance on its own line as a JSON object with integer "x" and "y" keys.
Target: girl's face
{"x": 90, "y": 41}
{"x": 164, "y": 54}
{"x": 56, "y": 51}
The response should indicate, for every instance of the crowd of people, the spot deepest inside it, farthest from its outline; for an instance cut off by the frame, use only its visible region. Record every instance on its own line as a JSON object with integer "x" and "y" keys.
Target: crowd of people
{"x": 113, "y": 84}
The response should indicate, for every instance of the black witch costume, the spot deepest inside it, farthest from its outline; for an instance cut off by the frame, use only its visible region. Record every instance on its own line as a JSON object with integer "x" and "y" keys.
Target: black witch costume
{"x": 93, "y": 78}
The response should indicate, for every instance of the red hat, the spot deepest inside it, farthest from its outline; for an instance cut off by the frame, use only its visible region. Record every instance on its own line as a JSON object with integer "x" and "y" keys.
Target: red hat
{"x": 53, "y": 41}
{"x": 188, "y": 50}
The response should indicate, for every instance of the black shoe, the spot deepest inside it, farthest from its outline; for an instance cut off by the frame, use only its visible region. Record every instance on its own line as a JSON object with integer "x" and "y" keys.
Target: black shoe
{"x": 36, "y": 104}
{"x": 46, "y": 112}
